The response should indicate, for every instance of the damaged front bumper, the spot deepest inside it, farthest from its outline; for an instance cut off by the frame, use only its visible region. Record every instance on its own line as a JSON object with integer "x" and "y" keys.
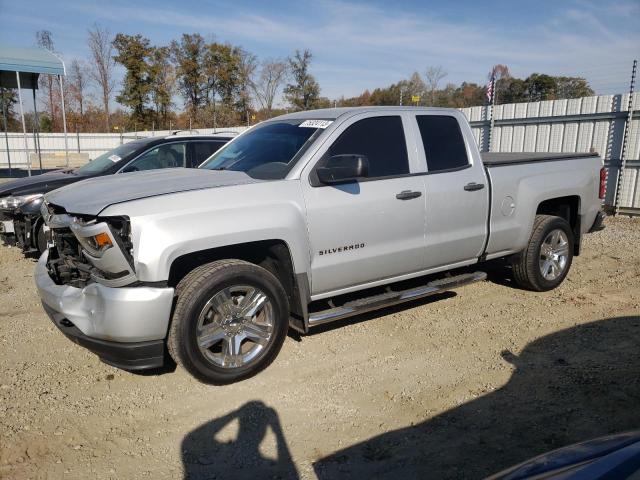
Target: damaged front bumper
{"x": 125, "y": 327}
{"x": 7, "y": 230}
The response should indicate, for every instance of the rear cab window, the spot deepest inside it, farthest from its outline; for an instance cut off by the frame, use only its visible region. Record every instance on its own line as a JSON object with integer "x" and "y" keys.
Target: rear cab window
{"x": 443, "y": 143}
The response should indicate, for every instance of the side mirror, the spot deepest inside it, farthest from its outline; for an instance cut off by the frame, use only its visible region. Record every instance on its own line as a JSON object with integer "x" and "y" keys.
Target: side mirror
{"x": 343, "y": 169}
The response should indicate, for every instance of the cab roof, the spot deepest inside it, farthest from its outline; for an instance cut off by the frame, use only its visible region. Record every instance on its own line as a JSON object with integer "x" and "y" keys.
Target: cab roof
{"x": 334, "y": 113}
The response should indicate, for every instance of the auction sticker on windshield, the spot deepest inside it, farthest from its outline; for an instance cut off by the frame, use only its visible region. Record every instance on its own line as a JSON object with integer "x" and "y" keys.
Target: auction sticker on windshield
{"x": 316, "y": 123}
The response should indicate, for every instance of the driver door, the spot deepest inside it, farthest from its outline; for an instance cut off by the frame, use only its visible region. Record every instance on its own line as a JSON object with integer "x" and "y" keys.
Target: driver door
{"x": 370, "y": 230}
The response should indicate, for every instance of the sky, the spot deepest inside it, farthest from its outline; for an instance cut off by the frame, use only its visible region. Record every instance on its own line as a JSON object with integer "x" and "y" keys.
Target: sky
{"x": 363, "y": 45}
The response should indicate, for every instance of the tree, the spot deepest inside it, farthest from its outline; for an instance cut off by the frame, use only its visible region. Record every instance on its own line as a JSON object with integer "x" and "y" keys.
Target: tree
{"x": 573, "y": 87}
{"x": 78, "y": 83}
{"x": 247, "y": 63}
{"x": 414, "y": 87}
{"x": 271, "y": 77}
{"x": 133, "y": 53}
{"x": 433, "y": 76}
{"x": 162, "y": 83}
{"x": 188, "y": 56}
{"x": 541, "y": 87}
{"x": 47, "y": 83}
{"x": 513, "y": 90}
{"x": 501, "y": 76}
{"x": 8, "y": 99}
{"x": 102, "y": 64}
{"x": 387, "y": 96}
{"x": 304, "y": 92}
{"x": 466, "y": 95}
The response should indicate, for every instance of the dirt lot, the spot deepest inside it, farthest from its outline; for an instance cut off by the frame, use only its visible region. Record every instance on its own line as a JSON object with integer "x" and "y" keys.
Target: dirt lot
{"x": 455, "y": 387}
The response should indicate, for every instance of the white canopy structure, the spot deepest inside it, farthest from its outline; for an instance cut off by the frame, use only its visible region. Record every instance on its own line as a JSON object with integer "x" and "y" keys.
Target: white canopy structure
{"x": 20, "y": 68}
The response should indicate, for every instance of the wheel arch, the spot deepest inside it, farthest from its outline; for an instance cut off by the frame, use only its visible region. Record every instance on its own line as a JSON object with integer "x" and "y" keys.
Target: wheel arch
{"x": 274, "y": 255}
{"x": 568, "y": 208}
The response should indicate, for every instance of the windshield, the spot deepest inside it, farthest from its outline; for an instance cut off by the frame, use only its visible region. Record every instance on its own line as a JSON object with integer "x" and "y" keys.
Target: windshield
{"x": 106, "y": 160}
{"x": 267, "y": 151}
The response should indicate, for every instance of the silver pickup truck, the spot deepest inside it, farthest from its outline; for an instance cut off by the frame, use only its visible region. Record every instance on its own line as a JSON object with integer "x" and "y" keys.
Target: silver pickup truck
{"x": 304, "y": 219}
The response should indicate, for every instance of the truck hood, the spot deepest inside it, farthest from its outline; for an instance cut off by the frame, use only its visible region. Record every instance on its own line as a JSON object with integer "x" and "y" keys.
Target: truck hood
{"x": 38, "y": 183}
{"x": 91, "y": 196}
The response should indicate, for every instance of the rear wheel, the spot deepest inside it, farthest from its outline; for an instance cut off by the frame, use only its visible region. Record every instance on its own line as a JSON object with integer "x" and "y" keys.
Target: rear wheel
{"x": 544, "y": 264}
{"x": 230, "y": 321}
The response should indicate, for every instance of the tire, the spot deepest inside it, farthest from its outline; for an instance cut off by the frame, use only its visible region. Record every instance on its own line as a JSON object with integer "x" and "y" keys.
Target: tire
{"x": 534, "y": 267}
{"x": 202, "y": 313}
{"x": 40, "y": 240}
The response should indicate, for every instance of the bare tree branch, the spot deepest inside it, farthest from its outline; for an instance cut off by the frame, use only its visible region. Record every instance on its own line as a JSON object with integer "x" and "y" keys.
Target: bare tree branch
{"x": 102, "y": 64}
{"x": 433, "y": 77}
{"x": 78, "y": 83}
{"x": 271, "y": 77}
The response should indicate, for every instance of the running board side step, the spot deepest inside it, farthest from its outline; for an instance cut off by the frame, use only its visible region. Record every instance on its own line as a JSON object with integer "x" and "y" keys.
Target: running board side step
{"x": 388, "y": 299}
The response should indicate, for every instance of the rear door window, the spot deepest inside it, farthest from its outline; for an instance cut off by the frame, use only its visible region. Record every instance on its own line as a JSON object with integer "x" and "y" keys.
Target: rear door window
{"x": 203, "y": 150}
{"x": 443, "y": 143}
{"x": 381, "y": 140}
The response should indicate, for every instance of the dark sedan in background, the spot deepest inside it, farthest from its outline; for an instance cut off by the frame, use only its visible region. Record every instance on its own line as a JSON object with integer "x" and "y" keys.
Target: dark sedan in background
{"x": 20, "y": 200}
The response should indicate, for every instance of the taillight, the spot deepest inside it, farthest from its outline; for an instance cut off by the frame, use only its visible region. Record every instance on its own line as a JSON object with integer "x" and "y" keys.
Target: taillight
{"x": 603, "y": 183}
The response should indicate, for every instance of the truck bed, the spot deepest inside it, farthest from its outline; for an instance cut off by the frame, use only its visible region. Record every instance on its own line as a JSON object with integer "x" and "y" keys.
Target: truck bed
{"x": 496, "y": 159}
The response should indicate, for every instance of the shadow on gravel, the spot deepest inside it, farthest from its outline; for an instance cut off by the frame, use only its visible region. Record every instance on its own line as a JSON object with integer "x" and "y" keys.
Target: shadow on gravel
{"x": 567, "y": 387}
{"x": 204, "y": 457}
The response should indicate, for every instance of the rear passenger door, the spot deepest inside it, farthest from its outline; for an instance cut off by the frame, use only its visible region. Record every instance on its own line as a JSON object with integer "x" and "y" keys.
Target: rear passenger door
{"x": 200, "y": 150}
{"x": 373, "y": 229}
{"x": 457, "y": 192}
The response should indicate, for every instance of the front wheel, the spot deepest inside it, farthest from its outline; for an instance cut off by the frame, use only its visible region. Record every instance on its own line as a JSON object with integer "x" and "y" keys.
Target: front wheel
{"x": 230, "y": 321}
{"x": 40, "y": 238}
{"x": 544, "y": 264}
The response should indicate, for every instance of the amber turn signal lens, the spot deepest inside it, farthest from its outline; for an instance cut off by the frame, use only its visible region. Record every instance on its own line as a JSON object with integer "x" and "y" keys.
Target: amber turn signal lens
{"x": 102, "y": 240}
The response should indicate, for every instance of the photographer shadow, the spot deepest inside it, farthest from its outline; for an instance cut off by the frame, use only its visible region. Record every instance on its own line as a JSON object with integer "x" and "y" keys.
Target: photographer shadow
{"x": 570, "y": 386}
{"x": 204, "y": 456}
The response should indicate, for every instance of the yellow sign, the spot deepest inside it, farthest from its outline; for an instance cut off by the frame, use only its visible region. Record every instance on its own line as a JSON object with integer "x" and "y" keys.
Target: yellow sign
{"x": 253, "y": 117}
{"x": 415, "y": 98}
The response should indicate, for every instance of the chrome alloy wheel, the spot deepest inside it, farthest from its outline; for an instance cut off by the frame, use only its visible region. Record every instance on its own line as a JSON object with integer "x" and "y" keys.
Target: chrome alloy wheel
{"x": 554, "y": 253}
{"x": 235, "y": 326}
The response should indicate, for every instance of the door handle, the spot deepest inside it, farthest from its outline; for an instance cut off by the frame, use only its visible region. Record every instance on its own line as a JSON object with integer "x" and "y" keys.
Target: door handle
{"x": 473, "y": 186}
{"x": 407, "y": 195}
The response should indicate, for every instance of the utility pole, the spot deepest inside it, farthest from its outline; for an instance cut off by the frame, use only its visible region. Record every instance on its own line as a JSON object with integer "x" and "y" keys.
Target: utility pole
{"x": 6, "y": 132}
{"x": 625, "y": 140}
{"x": 491, "y": 105}
{"x": 400, "y": 96}
{"x": 24, "y": 125}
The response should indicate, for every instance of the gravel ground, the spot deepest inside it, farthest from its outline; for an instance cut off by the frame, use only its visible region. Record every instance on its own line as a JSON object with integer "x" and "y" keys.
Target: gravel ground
{"x": 455, "y": 387}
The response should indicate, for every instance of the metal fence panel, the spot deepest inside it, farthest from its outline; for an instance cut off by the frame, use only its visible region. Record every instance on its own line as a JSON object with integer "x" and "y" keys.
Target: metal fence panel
{"x": 93, "y": 144}
{"x": 569, "y": 125}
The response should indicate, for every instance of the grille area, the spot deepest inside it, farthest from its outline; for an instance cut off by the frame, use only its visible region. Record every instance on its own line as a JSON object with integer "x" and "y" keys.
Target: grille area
{"x": 66, "y": 263}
